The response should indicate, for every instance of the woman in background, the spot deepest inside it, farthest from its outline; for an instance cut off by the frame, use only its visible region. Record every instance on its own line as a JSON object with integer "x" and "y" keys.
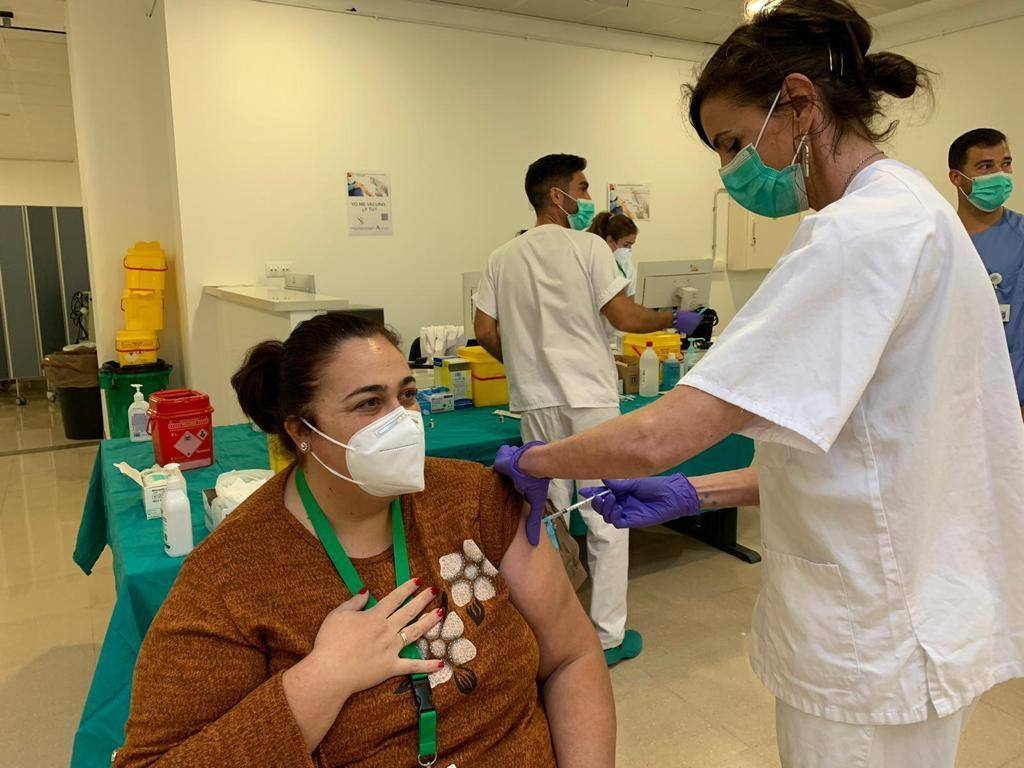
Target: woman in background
{"x": 620, "y": 233}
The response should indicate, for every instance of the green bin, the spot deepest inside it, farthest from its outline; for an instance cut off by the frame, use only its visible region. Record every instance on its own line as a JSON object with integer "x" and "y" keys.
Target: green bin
{"x": 116, "y": 384}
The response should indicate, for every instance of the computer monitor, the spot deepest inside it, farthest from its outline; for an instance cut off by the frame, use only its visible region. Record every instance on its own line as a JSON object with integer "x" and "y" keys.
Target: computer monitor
{"x": 674, "y": 284}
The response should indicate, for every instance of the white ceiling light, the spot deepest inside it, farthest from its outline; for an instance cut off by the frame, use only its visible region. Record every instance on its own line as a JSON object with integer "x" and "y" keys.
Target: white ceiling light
{"x": 753, "y": 7}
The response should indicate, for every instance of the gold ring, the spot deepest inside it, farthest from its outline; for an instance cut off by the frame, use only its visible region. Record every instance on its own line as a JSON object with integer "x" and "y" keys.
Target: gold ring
{"x": 405, "y": 639}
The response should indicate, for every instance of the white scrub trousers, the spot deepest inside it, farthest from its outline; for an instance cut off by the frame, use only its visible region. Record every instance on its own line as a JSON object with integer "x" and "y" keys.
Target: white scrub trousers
{"x": 807, "y": 741}
{"x": 607, "y": 546}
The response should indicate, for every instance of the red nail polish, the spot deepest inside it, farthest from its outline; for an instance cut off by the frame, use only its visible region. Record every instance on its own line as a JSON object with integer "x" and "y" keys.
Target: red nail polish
{"x": 364, "y": 590}
{"x": 434, "y": 592}
{"x": 440, "y": 665}
{"x": 440, "y": 612}
{"x": 418, "y": 582}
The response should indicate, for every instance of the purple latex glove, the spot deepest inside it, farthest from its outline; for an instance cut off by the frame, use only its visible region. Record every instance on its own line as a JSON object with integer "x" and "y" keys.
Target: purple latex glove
{"x": 533, "y": 489}
{"x": 644, "y": 501}
{"x": 686, "y": 322}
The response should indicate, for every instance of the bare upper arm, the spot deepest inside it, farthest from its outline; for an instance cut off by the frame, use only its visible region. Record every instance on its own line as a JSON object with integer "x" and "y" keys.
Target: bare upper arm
{"x": 484, "y": 324}
{"x": 620, "y": 311}
{"x": 541, "y": 591}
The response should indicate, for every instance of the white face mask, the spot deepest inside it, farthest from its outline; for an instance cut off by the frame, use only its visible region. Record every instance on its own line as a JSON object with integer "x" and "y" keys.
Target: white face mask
{"x": 623, "y": 255}
{"x": 386, "y": 457}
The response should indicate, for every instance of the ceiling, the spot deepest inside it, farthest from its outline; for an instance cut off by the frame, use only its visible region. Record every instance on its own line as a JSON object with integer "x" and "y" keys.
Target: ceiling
{"x": 703, "y": 21}
{"x": 36, "y": 121}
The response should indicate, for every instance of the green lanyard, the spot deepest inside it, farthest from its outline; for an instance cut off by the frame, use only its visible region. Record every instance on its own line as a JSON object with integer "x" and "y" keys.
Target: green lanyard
{"x": 621, "y": 269}
{"x": 349, "y": 575}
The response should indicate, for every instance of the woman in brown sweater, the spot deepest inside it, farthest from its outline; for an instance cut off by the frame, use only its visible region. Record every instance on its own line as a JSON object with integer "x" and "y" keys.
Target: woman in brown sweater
{"x": 267, "y": 652}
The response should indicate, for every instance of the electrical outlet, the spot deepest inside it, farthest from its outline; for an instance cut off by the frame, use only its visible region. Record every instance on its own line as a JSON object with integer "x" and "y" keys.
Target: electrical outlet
{"x": 277, "y": 268}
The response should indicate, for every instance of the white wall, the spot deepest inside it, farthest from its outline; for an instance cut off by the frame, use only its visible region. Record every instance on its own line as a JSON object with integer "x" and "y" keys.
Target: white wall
{"x": 119, "y": 90}
{"x": 977, "y": 86}
{"x": 272, "y": 105}
{"x": 34, "y": 182}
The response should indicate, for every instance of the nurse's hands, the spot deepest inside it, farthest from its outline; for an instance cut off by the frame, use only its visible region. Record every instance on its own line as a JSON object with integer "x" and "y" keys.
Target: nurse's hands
{"x": 645, "y": 501}
{"x": 533, "y": 489}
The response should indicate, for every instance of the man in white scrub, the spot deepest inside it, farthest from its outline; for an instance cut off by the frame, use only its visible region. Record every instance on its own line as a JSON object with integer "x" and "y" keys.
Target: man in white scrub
{"x": 540, "y": 306}
{"x": 890, "y": 467}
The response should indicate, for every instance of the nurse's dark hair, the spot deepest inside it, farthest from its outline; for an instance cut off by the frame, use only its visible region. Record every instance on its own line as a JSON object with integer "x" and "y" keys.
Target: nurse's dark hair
{"x": 827, "y": 41}
{"x": 979, "y": 137}
{"x": 279, "y": 379}
{"x": 613, "y": 225}
{"x": 551, "y": 171}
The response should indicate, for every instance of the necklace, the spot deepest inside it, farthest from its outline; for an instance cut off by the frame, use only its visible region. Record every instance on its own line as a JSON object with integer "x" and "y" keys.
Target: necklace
{"x": 860, "y": 167}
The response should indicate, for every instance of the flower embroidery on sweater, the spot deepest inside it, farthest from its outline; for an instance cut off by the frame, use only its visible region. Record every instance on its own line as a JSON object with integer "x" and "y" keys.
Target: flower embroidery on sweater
{"x": 470, "y": 576}
{"x": 445, "y": 642}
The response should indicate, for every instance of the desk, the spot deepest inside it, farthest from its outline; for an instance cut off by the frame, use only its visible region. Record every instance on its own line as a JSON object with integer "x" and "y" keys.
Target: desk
{"x": 143, "y": 575}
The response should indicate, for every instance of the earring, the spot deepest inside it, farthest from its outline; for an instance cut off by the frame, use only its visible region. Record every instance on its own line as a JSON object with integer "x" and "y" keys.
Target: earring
{"x": 807, "y": 156}
{"x": 304, "y": 447}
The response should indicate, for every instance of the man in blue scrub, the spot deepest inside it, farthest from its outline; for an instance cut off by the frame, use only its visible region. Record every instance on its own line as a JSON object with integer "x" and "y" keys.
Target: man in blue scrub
{"x": 981, "y": 168}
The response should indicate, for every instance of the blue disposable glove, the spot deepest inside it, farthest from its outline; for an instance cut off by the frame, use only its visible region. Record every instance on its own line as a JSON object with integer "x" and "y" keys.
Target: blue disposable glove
{"x": 644, "y": 501}
{"x": 686, "y": 322}
{"x": 533, "y": 489}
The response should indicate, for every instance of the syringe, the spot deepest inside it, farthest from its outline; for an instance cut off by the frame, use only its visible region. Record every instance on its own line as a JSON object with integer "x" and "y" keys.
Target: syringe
{"x": 573, "y": 507}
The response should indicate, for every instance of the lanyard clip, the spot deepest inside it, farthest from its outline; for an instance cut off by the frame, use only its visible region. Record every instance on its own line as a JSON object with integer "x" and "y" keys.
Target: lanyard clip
{"x": 423, "y": 695}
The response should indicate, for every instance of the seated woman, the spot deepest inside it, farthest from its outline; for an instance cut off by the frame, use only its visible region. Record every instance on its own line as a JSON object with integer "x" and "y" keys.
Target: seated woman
{"x": 269, "y": 651}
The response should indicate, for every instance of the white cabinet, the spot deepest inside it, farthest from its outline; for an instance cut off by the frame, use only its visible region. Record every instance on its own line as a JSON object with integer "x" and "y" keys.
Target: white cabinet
{"x": 756, "y": 242}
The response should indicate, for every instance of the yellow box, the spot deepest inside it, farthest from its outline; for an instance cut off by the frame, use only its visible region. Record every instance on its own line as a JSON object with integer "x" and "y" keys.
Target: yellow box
{"x": 280, "y": 457}
{"x": 137, "y": 347}
{"x": 143, "y": 310}
{"x": 145, "y": 267}
{"x": 456, "y": 376}
{"x": 634, "y": 344}
{"x": 490, "y": 384}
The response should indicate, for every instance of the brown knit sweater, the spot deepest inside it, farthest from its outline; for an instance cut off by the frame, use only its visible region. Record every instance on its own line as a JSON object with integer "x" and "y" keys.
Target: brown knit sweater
{"x": 249, "y": 601}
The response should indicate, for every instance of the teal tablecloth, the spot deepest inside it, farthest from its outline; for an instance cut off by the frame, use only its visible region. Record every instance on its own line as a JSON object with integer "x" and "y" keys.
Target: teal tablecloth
{"x": 143, "y": 575}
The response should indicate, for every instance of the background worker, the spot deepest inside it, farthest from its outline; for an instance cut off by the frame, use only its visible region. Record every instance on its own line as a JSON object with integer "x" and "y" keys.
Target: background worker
{"x": 539, "y": 309}
{"x": 620, "y": 232}
{"x": 980, "y": 167}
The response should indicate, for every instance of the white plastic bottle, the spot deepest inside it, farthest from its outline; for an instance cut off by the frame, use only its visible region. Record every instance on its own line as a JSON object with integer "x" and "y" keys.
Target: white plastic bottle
{"x": 138, "y": 418}
{"x": 177, "y": 514}
{"x": 649, "y": 364}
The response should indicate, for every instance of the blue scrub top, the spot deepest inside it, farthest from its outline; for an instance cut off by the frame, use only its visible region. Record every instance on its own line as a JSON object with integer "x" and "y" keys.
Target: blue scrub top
{"x": 1002, "y": 250}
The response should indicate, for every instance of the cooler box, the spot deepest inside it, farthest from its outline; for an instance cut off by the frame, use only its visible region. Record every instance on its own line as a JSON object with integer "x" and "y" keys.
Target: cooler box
{"x": 143, "y": 310}
{"x": 634, "y": 344}
{"x": 145, "y": 267}
{"x": 181, "y": 423}
{"x": 137, "y": 347}
{"x": 490, "y": 385}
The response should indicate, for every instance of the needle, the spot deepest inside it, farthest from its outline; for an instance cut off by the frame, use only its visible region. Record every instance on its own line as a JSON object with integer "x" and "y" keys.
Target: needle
{"x": 573, "y": 508}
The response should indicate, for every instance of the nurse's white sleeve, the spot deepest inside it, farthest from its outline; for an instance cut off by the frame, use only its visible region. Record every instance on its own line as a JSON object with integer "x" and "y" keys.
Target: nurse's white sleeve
{"x": 487, "y": 294}
{"x": 605, "y": 279}
{"x": 802, "y": 350}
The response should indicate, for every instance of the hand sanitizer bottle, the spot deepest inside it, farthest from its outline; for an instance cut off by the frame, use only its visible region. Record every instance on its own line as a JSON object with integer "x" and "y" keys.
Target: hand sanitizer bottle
{"x": 649, "y": 367}
{"x": 177, "y": 514}
{"x": 138, "y": 418}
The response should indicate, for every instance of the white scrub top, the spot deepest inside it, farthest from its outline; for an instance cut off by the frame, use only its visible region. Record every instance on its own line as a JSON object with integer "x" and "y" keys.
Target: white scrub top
{"x": 546, "y": 289}
{"x": 890, "y": 459}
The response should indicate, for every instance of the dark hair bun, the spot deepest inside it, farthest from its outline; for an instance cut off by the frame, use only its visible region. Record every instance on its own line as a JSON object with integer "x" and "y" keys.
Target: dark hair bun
{"x": 257, "y": 383}
{"x": 893, "y": 74}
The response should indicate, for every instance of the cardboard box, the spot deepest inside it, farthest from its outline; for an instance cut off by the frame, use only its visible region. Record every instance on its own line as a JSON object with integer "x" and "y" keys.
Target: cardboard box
{"x": 457, "y": 375}
{"x": 438, "y": 400}
{"x": 628, "y": 369}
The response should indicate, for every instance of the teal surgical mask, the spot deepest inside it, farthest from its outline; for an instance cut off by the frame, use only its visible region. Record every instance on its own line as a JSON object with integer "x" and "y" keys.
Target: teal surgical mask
{"x": 585, "y": 210}
{"x": 762, "y": 189}
{"x": 990, "y": 192}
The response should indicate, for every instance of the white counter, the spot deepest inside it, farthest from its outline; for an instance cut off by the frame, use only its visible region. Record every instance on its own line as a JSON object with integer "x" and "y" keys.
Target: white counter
{"x": 271, "y": 299}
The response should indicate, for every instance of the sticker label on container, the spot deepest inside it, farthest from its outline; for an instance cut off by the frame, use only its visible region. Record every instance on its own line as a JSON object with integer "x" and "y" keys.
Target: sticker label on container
{"x": 188, "y": 444}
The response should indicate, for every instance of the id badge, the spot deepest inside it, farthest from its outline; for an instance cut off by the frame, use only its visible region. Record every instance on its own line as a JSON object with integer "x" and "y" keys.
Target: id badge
{"x": 1004, "y": 310}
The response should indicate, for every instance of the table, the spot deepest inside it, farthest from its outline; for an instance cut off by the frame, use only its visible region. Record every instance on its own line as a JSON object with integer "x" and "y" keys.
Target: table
{"x": 114, "y": 516}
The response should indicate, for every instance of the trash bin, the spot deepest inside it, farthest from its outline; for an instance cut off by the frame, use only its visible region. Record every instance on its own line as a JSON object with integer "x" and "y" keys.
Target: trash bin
{"x": 73, "y": 374}
{"x": 116, "y": 382}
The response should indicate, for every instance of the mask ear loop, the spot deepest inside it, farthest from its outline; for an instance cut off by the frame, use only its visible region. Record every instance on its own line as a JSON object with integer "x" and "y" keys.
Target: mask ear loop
{"x": 769, "y": 117}
{"x": 320, "y": 461}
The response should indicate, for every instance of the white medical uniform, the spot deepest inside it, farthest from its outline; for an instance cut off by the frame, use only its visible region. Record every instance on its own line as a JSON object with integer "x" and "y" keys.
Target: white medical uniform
{"x": 891, "y": 463}
{"x": 546, "y": 289}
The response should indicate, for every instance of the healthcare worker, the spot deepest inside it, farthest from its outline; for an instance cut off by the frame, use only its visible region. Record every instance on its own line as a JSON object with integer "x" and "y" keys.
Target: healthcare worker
{"x": 870, "y": 367}
{"x": 620, "y": 232}
{"x": 540, "y": 308}
{"x": 981, "y": 168}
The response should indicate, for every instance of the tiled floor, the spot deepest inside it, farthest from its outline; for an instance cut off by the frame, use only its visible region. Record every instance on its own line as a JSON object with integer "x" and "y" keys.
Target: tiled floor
{"x": 688, "y": 700}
